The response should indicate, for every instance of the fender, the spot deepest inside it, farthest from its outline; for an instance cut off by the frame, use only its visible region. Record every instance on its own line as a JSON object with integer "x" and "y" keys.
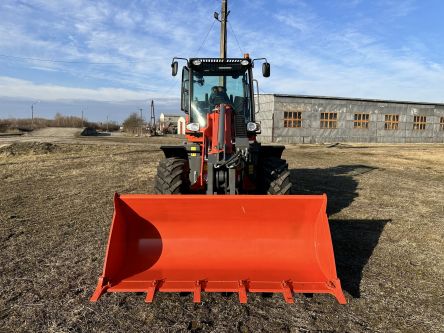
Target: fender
{"x": 268, "y": 151}
{"x": 175, "y": 151}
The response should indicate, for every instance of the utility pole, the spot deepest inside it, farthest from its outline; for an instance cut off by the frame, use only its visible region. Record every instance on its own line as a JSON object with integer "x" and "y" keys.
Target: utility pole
{"x": 107, "y": 122}
{"x": 153, "y": 118}
{"x": 141, "y": 121}
{"x": 223, "y": 35}
{"x": 32, "y": 113}
{"x": 223, "y": 29}
{"x": 82, "y": 118}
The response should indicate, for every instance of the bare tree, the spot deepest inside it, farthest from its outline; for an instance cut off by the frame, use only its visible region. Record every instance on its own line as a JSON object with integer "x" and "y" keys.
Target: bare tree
{"x": 133, "y": 123}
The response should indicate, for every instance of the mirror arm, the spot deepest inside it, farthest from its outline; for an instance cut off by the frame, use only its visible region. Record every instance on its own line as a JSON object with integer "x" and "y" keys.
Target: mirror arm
{"x": 257, "y": 93}
{"x": 179, "y": 58}
{"x": 266, "y": 61}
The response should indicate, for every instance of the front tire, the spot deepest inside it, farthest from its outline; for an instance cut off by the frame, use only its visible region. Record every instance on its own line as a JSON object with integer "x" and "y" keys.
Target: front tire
{"x": 275, "y": 176}
{"x": 172, "y": 176}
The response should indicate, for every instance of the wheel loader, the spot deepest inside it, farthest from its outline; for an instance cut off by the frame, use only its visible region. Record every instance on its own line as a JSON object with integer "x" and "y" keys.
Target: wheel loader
{"x": 221, "y": 154}
{"x": 222, "y": 218}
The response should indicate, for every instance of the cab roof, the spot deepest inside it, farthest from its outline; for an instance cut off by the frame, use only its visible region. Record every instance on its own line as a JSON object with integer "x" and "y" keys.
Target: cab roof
{"x": 220, "y": 65}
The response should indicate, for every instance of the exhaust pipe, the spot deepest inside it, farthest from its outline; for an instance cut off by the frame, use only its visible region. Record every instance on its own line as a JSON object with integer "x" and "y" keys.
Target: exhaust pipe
{"x": 221, "y": 133}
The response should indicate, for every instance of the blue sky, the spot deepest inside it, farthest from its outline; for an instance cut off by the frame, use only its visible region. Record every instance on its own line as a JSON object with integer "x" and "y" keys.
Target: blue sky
{"x": 113, "y": 57}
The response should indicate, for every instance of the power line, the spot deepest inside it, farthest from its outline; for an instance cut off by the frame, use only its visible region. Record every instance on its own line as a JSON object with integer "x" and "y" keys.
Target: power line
{"x": 206, "y": 36}
{"x": 175, "y": 82}
{"x": 235, "y": 37}
{"x": 75, "y": 62}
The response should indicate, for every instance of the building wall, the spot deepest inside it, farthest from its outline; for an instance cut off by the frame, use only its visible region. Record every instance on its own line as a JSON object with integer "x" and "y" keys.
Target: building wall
{"x": 273, "y": 108}
{"x": 264, "y": 115}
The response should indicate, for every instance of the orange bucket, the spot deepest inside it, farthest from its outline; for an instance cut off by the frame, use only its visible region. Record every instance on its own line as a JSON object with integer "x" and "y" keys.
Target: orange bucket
{"x": 220, "y": 243}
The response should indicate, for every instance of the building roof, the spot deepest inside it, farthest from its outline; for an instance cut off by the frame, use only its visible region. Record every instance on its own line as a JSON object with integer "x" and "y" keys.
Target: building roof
{"x": 170, "y": 115}
{"x": 356, "y": 99}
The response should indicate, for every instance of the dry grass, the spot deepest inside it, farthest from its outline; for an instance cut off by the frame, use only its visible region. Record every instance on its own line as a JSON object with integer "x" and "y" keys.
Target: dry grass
{"x": 386, "y": 216}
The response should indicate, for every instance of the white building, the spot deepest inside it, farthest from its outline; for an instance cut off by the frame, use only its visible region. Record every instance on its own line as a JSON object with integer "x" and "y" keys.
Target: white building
{"x": 181, "y": 125}
{"x": 168, "y": 121}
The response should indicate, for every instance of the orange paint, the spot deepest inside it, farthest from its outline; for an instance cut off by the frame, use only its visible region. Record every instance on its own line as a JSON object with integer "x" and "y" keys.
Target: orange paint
{"x": 242, "y": 243}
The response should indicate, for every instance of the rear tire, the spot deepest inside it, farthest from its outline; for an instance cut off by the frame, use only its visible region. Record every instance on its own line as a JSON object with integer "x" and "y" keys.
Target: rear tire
{"x": 172, "y": 176}
{"x": 275, "y": 176}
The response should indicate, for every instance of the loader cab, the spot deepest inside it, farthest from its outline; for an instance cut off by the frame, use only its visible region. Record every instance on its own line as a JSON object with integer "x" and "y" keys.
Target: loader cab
{"x": 207, "y": 82}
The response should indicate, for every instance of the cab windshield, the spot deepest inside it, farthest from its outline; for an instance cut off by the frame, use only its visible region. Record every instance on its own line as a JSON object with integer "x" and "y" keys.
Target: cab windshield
{"x": 210, "y": 90}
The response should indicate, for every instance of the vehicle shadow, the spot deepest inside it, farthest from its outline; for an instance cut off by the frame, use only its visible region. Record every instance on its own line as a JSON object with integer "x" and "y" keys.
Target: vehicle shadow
{"x": 353, "y": 240}
{"x": 353, "y": 244}
{"x": 337, "y": 182}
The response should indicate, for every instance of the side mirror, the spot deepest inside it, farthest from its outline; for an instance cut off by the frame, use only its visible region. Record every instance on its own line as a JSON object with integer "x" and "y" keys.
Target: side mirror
{"x": 266, "y": 69}
{"x": 174, "y": 68}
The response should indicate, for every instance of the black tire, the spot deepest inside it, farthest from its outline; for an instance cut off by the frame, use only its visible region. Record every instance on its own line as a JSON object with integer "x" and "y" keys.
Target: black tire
{"x": 172, "y": 176}
{"x": 275, "y": 176}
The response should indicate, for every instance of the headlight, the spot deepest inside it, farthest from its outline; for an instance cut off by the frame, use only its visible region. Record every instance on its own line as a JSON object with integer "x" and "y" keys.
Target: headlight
{"x": 194, "y": 127}
{"x": 252, "y": 127}
{"x": 197, "y": 62}
{"x": 244, "y": 62}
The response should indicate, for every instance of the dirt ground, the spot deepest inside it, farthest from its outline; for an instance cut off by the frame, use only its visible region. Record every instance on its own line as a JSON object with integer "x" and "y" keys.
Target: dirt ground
{"x": 386, "y": 211}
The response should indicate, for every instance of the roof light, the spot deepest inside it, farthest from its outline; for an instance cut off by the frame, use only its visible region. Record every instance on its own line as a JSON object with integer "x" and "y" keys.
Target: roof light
{"x": 244, "y": 62}
{"x": 197, "y": 62}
